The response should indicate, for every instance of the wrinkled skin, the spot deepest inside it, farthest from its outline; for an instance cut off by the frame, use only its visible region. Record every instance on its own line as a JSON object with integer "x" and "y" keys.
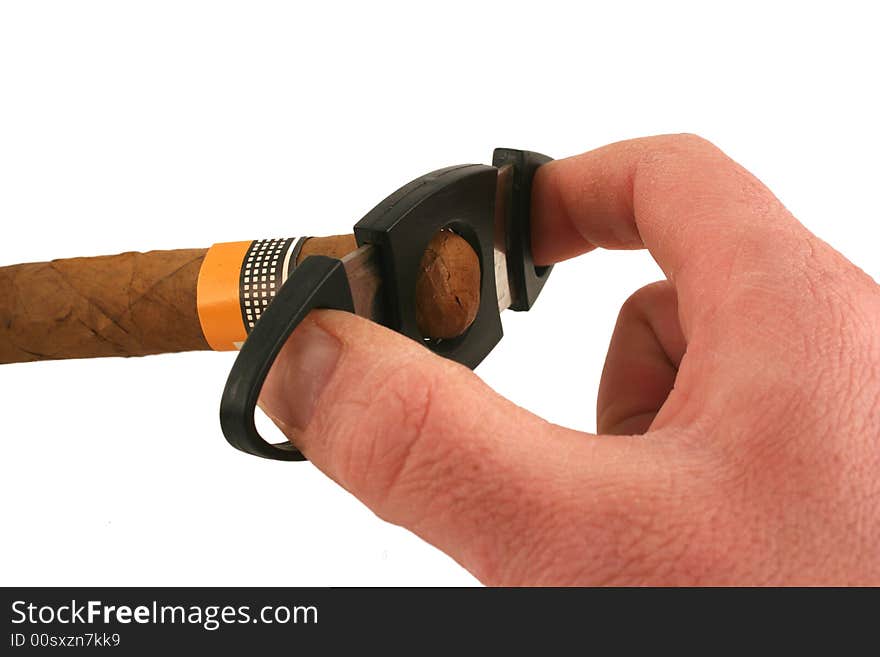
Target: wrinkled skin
{"x": 738, "y": 413}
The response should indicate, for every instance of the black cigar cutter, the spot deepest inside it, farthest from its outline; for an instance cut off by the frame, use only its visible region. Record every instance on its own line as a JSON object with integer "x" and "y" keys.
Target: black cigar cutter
{"x": 488, "y": 206}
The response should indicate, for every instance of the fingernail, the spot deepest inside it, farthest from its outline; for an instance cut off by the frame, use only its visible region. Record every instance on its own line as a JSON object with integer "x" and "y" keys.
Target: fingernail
{"x": 299, "y": 376}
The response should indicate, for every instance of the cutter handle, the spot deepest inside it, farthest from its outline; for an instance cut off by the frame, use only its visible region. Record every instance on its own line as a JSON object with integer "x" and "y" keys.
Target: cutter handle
{"x": 319, "y": 282}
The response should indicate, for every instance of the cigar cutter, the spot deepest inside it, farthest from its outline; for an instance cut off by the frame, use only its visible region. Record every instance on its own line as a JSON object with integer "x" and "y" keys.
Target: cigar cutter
{"x": 486, "y": 205}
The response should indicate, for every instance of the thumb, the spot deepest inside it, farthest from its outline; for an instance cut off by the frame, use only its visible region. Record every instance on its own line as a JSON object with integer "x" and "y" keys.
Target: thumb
{"x": 419, "y": 439}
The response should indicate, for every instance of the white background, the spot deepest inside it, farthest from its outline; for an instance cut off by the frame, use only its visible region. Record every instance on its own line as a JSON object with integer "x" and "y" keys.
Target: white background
{"x": 151, "y": 125}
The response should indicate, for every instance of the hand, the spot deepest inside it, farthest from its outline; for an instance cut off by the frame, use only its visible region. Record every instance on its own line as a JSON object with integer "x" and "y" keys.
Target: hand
{"x": 738, "y": 413}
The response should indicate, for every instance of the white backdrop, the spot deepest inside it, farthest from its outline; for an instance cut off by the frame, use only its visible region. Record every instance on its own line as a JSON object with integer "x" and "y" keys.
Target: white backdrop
{"x": 136, "y": 126}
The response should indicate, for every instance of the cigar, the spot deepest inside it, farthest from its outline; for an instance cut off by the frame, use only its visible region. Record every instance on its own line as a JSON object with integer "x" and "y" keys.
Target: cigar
{"x": 138, "y": 304}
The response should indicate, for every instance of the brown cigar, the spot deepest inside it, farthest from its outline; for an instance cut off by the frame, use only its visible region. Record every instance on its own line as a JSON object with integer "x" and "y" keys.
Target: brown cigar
{"x": 136, "y": 304}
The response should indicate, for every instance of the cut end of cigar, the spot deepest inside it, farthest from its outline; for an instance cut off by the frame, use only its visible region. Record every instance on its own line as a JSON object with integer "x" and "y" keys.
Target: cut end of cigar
{"x": 448, "y": 287}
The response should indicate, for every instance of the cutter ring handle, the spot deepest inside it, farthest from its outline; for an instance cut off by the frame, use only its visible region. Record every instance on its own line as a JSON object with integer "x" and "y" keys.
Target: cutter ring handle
{"x": 317, "y": 282}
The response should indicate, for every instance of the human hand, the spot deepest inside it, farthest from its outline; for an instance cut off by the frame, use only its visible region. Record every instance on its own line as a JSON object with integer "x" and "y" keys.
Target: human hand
{"x": 738, "y": 412}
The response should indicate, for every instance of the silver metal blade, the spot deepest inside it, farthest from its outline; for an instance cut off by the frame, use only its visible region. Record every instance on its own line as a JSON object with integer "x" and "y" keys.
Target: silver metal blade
{"x": 502, "y": 194}
{"x": 365, "y": 280}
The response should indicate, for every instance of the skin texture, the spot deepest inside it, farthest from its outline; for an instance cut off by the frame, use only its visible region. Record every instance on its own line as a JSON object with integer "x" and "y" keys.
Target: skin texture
{"x": 738, "y": 413}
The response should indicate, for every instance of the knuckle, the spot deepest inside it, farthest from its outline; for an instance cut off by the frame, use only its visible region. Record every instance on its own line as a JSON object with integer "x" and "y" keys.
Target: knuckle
{"x": 679, "y": 145}
{"x": 690, "y": 141}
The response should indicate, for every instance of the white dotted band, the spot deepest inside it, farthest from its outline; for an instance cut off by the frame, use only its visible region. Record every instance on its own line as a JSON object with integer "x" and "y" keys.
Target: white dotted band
{"x": 266, "y": 266}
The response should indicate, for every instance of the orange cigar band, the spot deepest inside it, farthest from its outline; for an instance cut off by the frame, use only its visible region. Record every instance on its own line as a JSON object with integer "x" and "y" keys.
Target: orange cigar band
{"x": 237, "y": 282}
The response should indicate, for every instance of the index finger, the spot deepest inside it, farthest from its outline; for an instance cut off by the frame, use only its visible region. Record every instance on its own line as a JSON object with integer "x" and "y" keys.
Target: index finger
{"x": 707, "y": 222}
